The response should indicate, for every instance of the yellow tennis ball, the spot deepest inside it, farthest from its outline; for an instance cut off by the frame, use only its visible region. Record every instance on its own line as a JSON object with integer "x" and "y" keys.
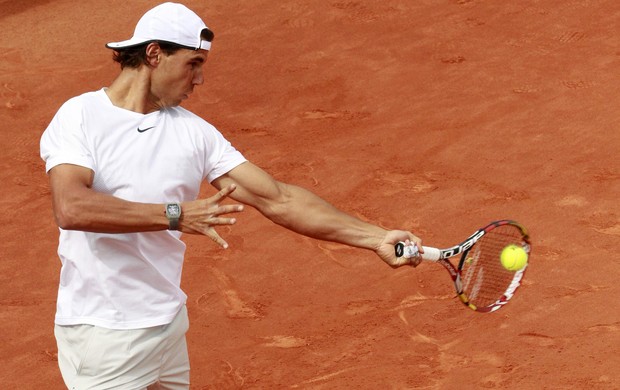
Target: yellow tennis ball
{"x": 513, "y": 257}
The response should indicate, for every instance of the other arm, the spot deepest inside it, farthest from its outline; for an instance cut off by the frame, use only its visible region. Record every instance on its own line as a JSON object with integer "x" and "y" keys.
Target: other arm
{"x": 77, "y": 206}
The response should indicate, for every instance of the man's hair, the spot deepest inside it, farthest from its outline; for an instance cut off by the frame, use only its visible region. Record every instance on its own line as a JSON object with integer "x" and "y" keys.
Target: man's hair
{"x": 134, "y": 57}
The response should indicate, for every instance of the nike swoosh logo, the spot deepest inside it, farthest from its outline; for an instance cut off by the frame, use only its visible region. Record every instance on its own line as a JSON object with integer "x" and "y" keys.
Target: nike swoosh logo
{"x": 143, "y": 130}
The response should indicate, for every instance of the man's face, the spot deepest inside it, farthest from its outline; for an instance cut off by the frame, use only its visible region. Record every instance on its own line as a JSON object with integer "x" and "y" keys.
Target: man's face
{"x": 176, "y": 75}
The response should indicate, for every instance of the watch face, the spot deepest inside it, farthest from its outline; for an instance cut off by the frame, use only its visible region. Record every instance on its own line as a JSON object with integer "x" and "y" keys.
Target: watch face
{"x": 174, "y": 210}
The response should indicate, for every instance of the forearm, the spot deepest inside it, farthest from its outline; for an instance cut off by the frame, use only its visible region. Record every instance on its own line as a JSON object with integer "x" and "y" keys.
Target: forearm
{"x": 304, "y": 212}
{"x": 88, "y": 210}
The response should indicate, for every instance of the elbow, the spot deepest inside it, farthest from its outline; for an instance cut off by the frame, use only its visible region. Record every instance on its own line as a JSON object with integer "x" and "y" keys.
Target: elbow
{"x": 66, "y": 216}
{"x": 64, "y": 223}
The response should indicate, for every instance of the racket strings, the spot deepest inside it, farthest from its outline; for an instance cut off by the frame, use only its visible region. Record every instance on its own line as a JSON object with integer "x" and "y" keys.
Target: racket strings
{"x": 483, "y": 277}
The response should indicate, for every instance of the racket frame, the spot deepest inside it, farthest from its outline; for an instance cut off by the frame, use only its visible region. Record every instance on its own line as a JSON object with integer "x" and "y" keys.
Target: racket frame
{"x": 441, "y": 256}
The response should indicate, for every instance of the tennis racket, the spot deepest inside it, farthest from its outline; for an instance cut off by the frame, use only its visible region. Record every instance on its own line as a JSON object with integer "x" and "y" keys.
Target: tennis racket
{"x": 481, "y": 282}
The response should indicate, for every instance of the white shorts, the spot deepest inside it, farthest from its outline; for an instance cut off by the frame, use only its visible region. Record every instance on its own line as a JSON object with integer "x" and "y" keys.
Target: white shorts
{"x": 95, "y": 358}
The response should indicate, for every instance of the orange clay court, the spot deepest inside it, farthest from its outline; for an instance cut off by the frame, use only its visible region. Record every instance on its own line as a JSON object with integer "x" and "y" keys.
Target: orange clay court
{"x": 435, "y": 116}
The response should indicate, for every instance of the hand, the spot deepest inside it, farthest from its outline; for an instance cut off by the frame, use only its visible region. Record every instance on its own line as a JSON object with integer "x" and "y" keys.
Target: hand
{"x": 386, "y": 248}
{"x": 199, "y": 216}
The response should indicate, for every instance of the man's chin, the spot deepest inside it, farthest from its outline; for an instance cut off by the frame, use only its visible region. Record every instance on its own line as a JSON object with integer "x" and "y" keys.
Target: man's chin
{"x": 183, "y": 98}
{"x": 173, "y": 103}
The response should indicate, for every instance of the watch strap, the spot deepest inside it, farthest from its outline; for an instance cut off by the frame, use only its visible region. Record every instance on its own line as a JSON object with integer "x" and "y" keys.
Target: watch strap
{"x": 173, "y": 224}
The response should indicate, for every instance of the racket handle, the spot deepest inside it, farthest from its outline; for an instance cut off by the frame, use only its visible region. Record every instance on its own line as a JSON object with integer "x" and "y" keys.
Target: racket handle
{"x": 408, "y": 251}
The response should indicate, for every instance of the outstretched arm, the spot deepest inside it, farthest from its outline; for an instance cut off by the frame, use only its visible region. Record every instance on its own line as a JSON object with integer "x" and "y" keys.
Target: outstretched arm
{"x": 306, "y": 213}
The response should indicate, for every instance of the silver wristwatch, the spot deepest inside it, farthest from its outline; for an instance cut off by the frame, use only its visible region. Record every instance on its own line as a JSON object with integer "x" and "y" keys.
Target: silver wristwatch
{"x": 173, "y": 213}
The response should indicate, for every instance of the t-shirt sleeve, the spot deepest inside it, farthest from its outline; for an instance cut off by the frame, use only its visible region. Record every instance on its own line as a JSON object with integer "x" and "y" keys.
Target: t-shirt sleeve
{"x": 64, "y": 141}
{"x": 222, "y": 156}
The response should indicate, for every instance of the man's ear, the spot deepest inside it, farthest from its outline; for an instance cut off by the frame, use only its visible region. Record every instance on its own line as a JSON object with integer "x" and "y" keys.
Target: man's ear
{"x": 153, "y": 54}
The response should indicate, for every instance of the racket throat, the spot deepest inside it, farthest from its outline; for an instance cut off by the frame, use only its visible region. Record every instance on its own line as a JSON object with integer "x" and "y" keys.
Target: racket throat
{"x": 466, "y": 302}
{"x": 463, "y": 258}
{"x": 459, "y": 292}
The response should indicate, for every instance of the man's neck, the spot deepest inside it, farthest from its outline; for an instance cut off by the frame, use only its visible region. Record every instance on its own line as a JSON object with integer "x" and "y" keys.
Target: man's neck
{"x": 131, "y": 90}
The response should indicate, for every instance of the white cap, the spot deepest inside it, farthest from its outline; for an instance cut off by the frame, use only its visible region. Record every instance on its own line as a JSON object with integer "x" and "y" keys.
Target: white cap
{"x": 169, "y": 22}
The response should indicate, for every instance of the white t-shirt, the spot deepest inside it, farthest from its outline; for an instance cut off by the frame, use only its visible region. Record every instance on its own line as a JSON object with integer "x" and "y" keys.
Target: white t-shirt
{"x": 129, "y": 281}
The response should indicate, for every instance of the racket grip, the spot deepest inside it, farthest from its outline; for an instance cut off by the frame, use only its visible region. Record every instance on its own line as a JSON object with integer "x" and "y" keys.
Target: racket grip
{"x": 408, "y": 251}
{"x": 431, "y": 254}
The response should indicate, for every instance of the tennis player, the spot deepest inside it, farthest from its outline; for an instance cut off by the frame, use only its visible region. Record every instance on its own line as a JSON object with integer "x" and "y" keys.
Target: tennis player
{"x": 125, "y": 164}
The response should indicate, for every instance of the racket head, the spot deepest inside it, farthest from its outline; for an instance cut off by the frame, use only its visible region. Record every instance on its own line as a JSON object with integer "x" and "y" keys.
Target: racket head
{"x": 483, "y": 284}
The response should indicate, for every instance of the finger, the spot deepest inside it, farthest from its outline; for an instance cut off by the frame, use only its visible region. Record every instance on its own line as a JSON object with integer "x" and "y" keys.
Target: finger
{"x": 417, "y": 242}
{"x": 221, "y": 221}
{"x": 223, "y": 193}
{"x": 227, "y": 209}
{"x": 400, "y": 261}
{"x": 212, "y": 234}
{"x": 415, "y": 261}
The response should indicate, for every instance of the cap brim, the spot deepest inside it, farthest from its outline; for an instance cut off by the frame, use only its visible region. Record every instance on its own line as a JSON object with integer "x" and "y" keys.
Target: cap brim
{"x": 126, "y": 44}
